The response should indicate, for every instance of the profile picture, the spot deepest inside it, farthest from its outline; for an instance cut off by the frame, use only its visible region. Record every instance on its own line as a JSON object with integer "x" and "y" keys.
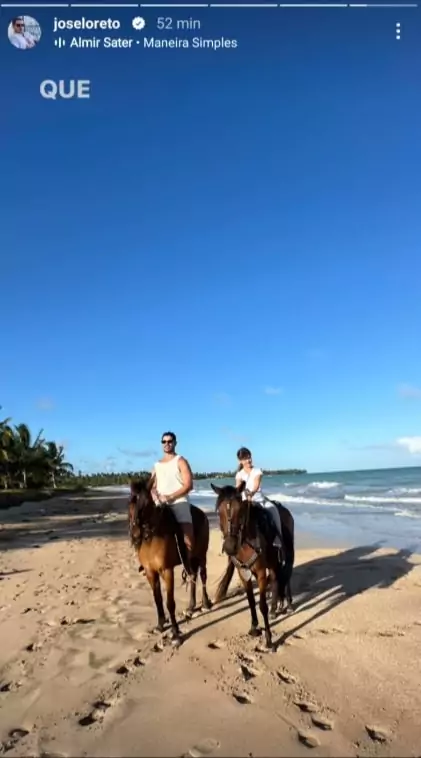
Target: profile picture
{"x": 24, "y": 32}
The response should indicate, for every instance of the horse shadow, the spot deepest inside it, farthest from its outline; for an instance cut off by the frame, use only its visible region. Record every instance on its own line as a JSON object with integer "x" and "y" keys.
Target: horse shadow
{"x": 323, "y": 584}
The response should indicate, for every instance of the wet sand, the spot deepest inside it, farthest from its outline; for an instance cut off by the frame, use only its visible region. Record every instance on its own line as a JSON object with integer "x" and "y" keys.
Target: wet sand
{"x": 83, "y": 674}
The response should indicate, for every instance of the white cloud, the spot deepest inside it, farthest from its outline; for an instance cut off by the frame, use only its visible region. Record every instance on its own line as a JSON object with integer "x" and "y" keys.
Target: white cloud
{"x": 409, "y": 391}
{"x": 273, "y": 390}
{"x": 411, "y": 444}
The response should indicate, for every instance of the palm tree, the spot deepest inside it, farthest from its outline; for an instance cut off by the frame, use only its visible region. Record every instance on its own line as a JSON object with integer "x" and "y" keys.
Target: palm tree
{"x": 25, "y": 461}
{"x": 27, "y": 455}
{"x": 6, "y": 439}
{"x": 56, "y": 465}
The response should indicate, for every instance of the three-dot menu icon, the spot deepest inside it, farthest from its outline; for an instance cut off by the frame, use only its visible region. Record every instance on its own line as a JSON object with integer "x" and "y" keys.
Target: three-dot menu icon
{"x": 398, "y": 31}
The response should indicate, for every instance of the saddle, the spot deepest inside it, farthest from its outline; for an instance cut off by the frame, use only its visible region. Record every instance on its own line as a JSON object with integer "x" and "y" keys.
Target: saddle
{"x": 267, "y": 527}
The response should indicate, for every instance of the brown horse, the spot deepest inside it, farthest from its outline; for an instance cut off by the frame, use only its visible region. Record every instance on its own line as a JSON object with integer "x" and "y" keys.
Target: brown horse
{"x": 248, "y": 541}
{"x": 159, "y": 544}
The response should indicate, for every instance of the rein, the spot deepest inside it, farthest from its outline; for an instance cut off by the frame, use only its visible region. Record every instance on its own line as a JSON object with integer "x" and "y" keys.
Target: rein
{"x": 147, "y": 532}
{"x": 242, "y": 539}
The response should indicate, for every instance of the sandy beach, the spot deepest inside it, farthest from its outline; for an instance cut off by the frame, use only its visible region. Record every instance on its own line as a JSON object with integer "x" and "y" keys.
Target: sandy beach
{"x": 83, "y": 674}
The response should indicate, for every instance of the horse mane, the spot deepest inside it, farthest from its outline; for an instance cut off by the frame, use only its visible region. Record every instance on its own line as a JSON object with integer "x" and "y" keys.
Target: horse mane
{"x": 151, "y": 519}
{"x": 257, "y": 517}
{"x": 226, "y": 493}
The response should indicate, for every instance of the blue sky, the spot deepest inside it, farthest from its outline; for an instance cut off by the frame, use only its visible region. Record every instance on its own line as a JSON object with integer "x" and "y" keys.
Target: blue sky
{"x": 226, "y": 244}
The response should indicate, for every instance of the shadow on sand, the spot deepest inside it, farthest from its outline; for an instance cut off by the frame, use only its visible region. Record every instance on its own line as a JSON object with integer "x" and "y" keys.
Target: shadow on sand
{"x": 318, "y": 586}
{"x": 321, "y": 585}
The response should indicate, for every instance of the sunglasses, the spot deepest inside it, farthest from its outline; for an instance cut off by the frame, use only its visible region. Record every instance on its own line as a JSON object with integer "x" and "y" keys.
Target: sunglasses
{"x": 167, "y": 442}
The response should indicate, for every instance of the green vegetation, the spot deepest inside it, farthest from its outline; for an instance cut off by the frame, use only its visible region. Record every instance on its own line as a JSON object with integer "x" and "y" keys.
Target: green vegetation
{"x": 27, "y": 463}
{"x": 109, "y": 479}
{"x": 35, "y": 469}
{"x": 31, "y": 469}
{"x": 106, "y": 479}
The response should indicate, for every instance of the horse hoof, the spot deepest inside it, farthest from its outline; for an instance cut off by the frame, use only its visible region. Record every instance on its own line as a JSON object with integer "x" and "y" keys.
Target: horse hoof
{"x": 255, "y": 631}
{"x": 273, "y": 614}
{"x": 207, "y": 606}
{"x": 175, "y": 642}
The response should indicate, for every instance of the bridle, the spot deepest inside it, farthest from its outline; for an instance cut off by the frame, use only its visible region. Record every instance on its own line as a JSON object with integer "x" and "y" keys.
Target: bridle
{"x": 237, "y": 531}
{"x": 139, "y": 520}
{"x": 234, "y": 531}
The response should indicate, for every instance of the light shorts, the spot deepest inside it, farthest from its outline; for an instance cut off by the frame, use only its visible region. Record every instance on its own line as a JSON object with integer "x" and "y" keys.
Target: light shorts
{"x": 182, "y": 512}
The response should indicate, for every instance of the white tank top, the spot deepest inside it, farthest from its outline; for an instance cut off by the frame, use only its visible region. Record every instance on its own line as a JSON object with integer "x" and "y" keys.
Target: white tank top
{"x": 168, "y": 478}
{"x": 249, "y": 479}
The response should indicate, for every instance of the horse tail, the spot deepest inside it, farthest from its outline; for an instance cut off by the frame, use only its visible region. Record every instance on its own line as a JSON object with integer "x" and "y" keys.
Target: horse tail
{"x": 287, "y": 522}
{"x": 284, "y": 572}
{"x": 224, "y": 583}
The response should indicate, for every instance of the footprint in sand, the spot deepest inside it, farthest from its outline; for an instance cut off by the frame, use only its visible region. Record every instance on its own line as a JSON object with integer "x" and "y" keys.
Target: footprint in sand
{"x": 286, "y": 677}
{"x": 248, "y": 672}
{"x": 15, "y": 736}
{"x": 216, "y": 645}
{"x": 122, "y": 670}
{"x": 87, "y": 720}
{"x": 308, "y": 739}
{"x": 306, "y": 706}
{"x": 242, "y": 698}
{"x": 248, "y": 659}
{"x": 99, "y": 708}
{"x": 203, "y": 748}
{"x": 322, "y": 723}
{"x": 262, "y": 650}
{"x": 332, "y": 630}
{"x": 392, "y": 633}
{"x": 377, "y": 734}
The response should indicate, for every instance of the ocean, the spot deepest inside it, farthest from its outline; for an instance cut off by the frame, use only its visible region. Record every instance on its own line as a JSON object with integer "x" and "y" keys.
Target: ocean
{"x": 350, "y": 508}
{"x": 347, "y": 508}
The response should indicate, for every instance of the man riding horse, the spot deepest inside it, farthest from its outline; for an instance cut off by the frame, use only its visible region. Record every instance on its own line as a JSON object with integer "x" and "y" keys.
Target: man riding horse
{"x": 170, "y": 484}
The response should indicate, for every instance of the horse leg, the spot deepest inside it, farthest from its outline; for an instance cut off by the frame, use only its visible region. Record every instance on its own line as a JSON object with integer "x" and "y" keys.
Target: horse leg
{"x": 288, "y": 575}
{"x": 153, "y": 579}
{"x": 275, "y": 594}
{"x": 168, "y": 575}
{"x": 254, "y": 630}
{"x": 192, "y": 604}
{"x": 206, "y": 602}
{"x": 262, "y": 581}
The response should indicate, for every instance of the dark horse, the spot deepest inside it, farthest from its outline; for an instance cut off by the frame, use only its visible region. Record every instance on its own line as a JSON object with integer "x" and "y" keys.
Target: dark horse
{"x": 159, "y": 544}
{"x": 248, "y": 541}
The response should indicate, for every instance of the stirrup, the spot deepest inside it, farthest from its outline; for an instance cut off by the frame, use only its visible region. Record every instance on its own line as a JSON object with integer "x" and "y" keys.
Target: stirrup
{"x": 186, "y": 577}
